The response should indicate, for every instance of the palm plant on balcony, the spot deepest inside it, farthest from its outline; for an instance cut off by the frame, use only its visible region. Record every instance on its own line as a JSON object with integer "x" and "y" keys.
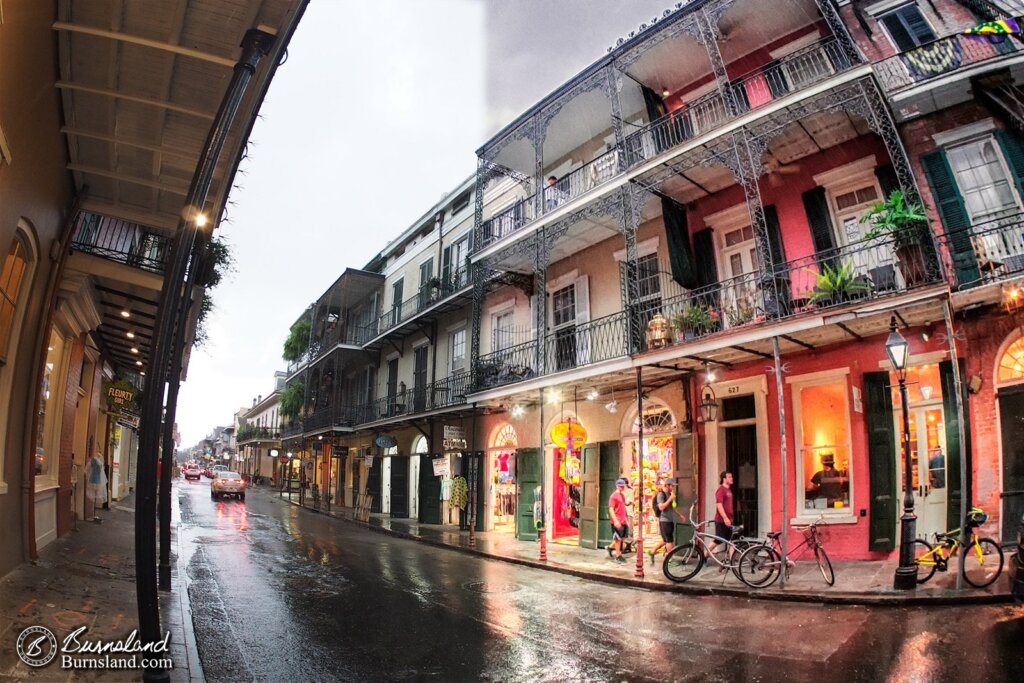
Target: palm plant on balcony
{"x": 694, "y": 320}
{"x": 297, "y": 342}
{"x": 291, "y": 401}
{"x": 905, "y": 221}
{"x": 837, "y": 283}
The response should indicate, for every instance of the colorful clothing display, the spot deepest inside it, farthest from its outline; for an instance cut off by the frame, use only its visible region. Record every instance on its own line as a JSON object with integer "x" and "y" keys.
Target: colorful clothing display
{"x": 659, "y": 462}
{"x": 568, "y": 494}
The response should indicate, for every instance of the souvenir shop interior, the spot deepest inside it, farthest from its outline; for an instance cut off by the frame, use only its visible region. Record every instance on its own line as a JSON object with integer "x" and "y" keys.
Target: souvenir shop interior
{"x": 504, "y": 495}
{"x": 659, "y": 462}
{"x": 567, "y": 495}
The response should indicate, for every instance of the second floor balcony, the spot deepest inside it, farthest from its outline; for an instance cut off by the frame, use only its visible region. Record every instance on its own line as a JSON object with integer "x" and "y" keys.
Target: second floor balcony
{"x": 437, "y": 295}
{"x": 121, "y": 241}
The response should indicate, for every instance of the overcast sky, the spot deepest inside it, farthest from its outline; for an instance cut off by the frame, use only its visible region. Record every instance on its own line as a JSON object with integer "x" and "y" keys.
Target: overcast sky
{"x": 377, "y": 113}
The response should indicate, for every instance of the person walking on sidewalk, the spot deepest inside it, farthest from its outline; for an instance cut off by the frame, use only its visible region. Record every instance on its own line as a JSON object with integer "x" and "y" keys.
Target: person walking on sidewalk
{"x": 723, "y": 511}
{"x": 664, "y": 504}
{"x": 618, "y": 517}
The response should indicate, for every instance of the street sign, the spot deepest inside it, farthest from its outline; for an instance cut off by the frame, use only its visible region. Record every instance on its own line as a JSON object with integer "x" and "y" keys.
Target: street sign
{"x": 385, "y": 441}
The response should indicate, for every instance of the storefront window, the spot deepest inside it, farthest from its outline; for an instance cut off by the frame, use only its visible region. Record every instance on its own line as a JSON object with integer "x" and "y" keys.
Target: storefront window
{"x": 503, "y": 480}
{"x": 47, "y": 437}
{"x": 824, "y": 440}
{"x": 568, "y": 494}
{"x": 659, "y": 462}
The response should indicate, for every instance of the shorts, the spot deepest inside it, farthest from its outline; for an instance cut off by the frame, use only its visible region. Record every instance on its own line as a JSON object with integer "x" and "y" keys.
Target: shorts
{"x": 668, "y": 531}
{"x": 619, "y": 533}
{"x": 722, "y": 529}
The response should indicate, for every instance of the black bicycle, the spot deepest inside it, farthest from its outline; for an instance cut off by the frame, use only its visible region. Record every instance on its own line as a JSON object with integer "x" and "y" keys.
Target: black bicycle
{"x": 760, "y": 565}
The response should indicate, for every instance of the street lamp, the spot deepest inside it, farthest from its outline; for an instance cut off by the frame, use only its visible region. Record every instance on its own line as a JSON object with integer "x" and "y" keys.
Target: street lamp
{"x": 898, "y": 350}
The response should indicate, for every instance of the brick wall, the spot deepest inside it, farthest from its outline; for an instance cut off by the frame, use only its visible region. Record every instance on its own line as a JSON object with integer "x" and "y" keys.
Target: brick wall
{"x": 945, "y": 17}
{"x": 67, "y": 435}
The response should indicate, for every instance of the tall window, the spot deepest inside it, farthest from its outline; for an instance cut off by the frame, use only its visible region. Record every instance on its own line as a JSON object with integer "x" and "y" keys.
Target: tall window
{"x": 503, "y": 332}
{"x": 563, "y": 307}
{"x": 983, "y": 180}
{"x": 11, "y": 279}
{"x": 824, "y": 464}
{"x": 907, "y": 27}
{"x": 457, "y": 350}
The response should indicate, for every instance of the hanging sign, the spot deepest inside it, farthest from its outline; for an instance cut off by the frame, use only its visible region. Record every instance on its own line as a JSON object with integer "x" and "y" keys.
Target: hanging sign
{"x": 120, "y": 393}
{"x": 441, "y": 466}
{"x": 453, "y": 444}
{"x": 385, "y": 441}
{"x": 570, "y": 435}
{"x": 369, "y": 461}
{"x": 453, "y": 432}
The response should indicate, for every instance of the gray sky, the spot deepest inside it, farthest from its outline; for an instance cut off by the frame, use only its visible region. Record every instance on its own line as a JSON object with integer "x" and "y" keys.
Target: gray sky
{"x": 376, "y": 114}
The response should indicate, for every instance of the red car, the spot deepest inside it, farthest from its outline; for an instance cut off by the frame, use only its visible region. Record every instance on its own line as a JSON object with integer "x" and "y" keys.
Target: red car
{"x": 192, "y": 472}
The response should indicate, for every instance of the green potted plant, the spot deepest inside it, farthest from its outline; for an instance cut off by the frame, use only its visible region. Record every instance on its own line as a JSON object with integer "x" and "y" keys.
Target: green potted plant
{"x": 740, "y": 313}
{"x": 906, "y": 222}
{"x": 693, "y": 320}
{"x": 836, "y": 284}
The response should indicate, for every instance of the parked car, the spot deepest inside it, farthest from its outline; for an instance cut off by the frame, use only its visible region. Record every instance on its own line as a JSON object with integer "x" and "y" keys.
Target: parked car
{"x": 1017, "y": 566}
{"x": 192, "y": 472}
{"x": 227, "y": 483}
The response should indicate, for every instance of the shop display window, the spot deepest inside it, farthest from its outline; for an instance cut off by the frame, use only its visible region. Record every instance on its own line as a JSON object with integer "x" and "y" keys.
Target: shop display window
{"x": 568, "y": 493}
{"x": 824, "y": 440}
{"x": 503, "y": 481}
{"x": 659, "y": 462}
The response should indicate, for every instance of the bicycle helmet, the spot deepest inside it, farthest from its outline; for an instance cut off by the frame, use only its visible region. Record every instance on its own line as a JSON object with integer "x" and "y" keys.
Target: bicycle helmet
{"x": 976, "y": 517}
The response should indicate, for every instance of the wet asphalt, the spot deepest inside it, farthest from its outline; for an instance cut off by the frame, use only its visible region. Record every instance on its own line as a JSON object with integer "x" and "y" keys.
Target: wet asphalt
{"x": 284, "y": 594}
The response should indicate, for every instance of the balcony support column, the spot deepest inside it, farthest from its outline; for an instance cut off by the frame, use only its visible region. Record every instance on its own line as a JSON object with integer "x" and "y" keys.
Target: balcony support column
{"x": 745, "y": 163}
{"x": 704, "y": 29}
{"x": 537, "y": 131}
{"x": 613, "y": 83}
{"x": 540, "y": 291}
{"x": 830, "y": 12}
{"x": 633, "y": 198}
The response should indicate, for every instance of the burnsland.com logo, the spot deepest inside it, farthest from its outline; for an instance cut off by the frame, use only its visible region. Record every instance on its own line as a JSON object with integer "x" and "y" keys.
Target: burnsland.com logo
{"x": 37, "y": 646}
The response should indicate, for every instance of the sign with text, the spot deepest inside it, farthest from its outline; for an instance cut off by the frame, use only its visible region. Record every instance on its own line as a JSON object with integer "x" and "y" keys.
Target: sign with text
{"x": 385, "y": 441}
{"x": 120, "y": 394}
{"x": 453, "y": 444}
{"x": 453, "y": 432}
{"x": 441, "y": 466}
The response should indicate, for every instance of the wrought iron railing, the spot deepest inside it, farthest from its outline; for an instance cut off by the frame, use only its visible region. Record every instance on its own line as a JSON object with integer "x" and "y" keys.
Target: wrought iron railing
{"x": 247, "y": 433}
{"x": 442, "y": 393}
{"x": 350, "y": 335}
{"x": 991, "y": 251}
{"x": 587, "y": 343}
{"x": 583, "y": 179}
{"x": 792, "y": 73}
{"x": 121, "y": 241}
{"x": 432, "y": 292}
{"x": 291, "y": 429}
{"x": 508, "y": 365}
{"x": 938, "y": 58}
{"x": 507, "y": 221}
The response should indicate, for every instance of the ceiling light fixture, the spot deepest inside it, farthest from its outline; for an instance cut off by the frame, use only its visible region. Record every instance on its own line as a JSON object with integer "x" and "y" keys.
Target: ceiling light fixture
{"x": 130, "y": 334}
{"x": 200, "y": 219}
{"x": 125, "y": 313}
{"x": 135, "y": 350}
{"x": 592, "y": 395}
{"x": 138, "y": 362}
{"x": 665, "y": 92}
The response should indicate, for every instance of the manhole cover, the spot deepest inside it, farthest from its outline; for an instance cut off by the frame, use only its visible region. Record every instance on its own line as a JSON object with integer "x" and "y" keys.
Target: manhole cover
{"x": 485, "y": 587}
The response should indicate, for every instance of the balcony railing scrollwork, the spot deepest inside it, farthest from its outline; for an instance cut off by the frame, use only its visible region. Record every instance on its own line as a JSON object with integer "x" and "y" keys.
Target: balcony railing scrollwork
{"x": 938, "y": 58}
{"x": 433, "y": 291}
{"x": 121, "y": 241}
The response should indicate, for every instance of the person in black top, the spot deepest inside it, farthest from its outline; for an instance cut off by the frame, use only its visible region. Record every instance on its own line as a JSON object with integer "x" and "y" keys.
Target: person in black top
{"x": 664, "y": 503}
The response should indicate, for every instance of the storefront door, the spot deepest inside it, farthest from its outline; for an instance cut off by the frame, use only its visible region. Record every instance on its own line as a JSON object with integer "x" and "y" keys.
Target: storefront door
{"x": 400, "y": 487}
{"x": 528, "y": 473}
{"x": 741, "y": 460}
{"x": 590, "y": 490}
{"x": 1011, "y": 409}
{"x": 373, "y": 487}
{"x": 429, "y": 503}
{"x": 414, "y": 486}
{"x": 567, "y": 498}
{"x": 928, "y": 458}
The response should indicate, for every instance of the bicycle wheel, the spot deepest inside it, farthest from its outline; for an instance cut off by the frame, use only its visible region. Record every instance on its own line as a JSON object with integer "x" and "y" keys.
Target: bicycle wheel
{"x": 983, "y": 562}
{"x": 824, "y": 565}
{"x": 759, "y": 566}
{"x": 924, "y": 560}
{"x": 683, "y": 563}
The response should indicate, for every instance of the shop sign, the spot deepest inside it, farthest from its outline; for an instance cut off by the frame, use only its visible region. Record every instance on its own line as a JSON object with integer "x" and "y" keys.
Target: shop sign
{"x": 274, "y": 453}
{"x": 453, "y": 432}
{"x": 453, "y": 444}
{"x": 570, "y": 435}
{"x": 120, "y": 393}
{"x": 385, "y": 441}
{"x": 441, "y": 466}
{"x": 131, "y": 421}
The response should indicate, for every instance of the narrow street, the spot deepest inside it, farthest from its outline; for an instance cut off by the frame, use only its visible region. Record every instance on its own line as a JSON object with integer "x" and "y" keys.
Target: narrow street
{"x": 280, "y": 593}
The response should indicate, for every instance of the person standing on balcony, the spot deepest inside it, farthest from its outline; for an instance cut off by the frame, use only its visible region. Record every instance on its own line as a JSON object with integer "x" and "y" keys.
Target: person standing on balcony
{"x": 553, "y": 195}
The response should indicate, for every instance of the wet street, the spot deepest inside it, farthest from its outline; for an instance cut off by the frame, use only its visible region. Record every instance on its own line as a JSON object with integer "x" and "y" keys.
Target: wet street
{"x": 283, "y": 594}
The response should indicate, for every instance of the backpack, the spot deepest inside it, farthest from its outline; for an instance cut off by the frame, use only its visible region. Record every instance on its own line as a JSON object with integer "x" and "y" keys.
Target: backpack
{"x": 654, "y": 504}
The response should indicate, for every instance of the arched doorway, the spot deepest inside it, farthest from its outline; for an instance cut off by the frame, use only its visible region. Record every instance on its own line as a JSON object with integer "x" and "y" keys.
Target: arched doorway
{"x": 420, "y": 449}
{"x": 1010, "y": 397}
{"x": 564, "y": 462}
{"x": 501, "y": 484}
{"x": 659, "y": 456}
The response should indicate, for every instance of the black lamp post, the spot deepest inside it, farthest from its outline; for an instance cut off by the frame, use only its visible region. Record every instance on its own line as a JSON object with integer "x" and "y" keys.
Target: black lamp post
{"x": 898, "y": 350}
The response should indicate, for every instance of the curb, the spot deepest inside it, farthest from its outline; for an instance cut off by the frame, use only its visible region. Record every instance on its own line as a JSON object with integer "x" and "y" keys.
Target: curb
{"x": 848, "y": 598}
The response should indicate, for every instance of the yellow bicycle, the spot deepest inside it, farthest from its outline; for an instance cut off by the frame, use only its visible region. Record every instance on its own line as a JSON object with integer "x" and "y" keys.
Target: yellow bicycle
{"x": 983, "y": 559}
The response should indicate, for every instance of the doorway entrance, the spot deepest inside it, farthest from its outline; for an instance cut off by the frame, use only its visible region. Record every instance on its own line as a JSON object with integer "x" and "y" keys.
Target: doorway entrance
{"x": 741, "y": 460}
{"x": 1011, "y": 408}
{"x": 504, "y": 498}
{"x": 399, "y": 487}
{"x": 928, "y": 460}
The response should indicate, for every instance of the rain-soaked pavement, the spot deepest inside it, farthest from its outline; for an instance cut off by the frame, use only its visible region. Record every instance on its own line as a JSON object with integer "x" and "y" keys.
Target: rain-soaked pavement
{"x": 283, "y": 594}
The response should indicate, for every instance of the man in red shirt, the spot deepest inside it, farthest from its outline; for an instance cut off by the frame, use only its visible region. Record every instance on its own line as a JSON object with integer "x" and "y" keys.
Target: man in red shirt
{"x": 723, "y": 510}
{"x": 618, "y": 517}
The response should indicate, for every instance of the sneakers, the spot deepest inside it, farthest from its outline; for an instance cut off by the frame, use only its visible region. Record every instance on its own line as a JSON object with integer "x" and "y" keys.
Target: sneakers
{"x": 651, "y": 554}
{"x": 620, "y": 559}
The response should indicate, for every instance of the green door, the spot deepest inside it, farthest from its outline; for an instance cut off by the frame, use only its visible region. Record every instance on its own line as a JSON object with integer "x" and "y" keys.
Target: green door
{"x": 609, "y": 473}
{"x": 528, "y": 471}
{"x": 954, "y": 449}
{"x": 686, "y": 486}
{"x": 881, "y": 461}
{"x": 430, "y": 491}
{"x": 591, "y": 495}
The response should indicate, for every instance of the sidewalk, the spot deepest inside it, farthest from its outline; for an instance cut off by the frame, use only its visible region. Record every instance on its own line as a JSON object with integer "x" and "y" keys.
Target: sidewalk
{"x": 857, "y": 583}
{"x": 87, "y": 578}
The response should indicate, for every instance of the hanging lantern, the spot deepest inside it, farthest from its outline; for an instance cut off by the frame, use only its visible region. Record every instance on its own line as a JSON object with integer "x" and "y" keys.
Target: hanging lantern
{"x": 569, "y": 435}
{"x": 708, "y": 404}
{"x": 659, "y": 332}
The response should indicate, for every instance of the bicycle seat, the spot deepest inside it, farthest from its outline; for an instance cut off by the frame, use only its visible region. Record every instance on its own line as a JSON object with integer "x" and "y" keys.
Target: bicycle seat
{"x": 774, "y": 534}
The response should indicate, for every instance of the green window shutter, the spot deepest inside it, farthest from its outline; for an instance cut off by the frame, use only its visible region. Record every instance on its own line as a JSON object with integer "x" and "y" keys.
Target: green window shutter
{"x": 430, "y": 491}
{"x": 955, "y": 221}
{"x": 819, "y": 219}
{"x": 771, "y": 221}
{"x": 881, "y": 461}
{"x": 677, "y": 235}
{"x": 609, "y": 473}
{"x": 704, "y": 258}
{"x": 1013, "y": 150}
{"x": 954, "y": 452}
{"x": 777, "y": 303}
{"x": 528, "y": 472}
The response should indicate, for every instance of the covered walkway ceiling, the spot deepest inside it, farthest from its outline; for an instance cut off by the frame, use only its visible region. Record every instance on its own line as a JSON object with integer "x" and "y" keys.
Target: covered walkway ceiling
{"x": 141, "y": 82}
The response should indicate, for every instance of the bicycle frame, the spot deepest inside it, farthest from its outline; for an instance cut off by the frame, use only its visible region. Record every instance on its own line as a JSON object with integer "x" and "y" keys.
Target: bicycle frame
{"x": 945, "y": 549}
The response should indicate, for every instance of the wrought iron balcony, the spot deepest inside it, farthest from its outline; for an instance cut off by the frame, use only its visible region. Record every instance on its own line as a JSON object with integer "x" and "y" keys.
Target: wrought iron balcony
{"x": 435, "y": 291}
{"x": 291, "y": 429}
{"x": 988, "y": 252}
{"x": 250, "y": 433}
{"x": 121, "y": 241}
{"x": 860, "y": 271}
{"x": 794, "y": 72}
{"x": 442, "y": 393}
{"x": 938, "y": 58}
{"x": 573, "y": 346}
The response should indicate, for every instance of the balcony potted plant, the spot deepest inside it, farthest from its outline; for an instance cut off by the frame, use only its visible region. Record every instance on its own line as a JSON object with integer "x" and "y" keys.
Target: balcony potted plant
{"x": 692, "y": 321}
{"x": 837, "y": 284}
{"x": 740, "y": 313}
{"x": 907, "y": 223}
